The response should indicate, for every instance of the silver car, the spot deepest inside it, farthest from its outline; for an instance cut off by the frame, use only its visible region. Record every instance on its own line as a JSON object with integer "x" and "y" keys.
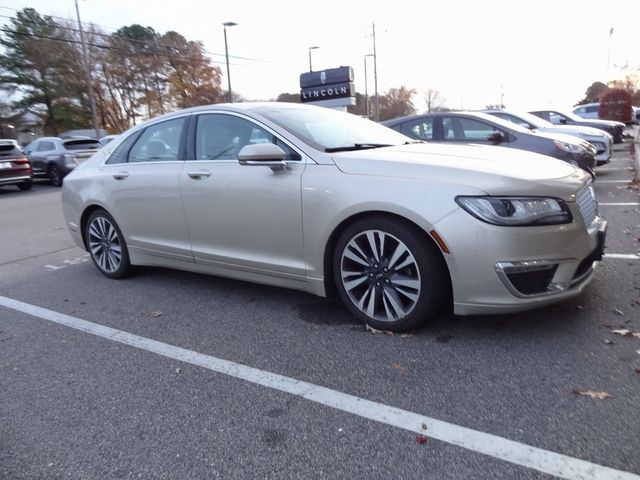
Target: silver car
{"x": 318, "y": 200}
{"x": 600, "y": 139}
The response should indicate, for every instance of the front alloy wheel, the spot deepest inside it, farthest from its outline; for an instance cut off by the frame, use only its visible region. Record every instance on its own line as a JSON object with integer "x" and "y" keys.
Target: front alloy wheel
{"x": 106, "y": 245}
{"x": 388, "y": 274}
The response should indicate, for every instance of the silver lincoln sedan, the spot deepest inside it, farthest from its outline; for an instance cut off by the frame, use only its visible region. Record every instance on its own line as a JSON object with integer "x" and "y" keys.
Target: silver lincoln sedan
{"x": 323, "y": 201}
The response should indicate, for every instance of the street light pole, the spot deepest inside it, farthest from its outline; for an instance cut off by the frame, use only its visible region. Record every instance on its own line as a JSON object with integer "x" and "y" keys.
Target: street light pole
{"x": 609, "y": 54}
{"x": 226, "y": 53}
{"x": 375, "y": 74}
{"x": 87, "y": 67}
{"x": 311, "y": 48}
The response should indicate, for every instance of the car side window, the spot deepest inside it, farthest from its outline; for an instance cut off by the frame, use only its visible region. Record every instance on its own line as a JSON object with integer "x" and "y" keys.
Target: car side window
{"x": 119, "y": 155}
{"x": 45, "y": 146}
{"x": 466, "y": 129}
{"x": 516, "y": 120}
{"x": 158, "y": 143}
{"x": 555, "y": 118}
{"x": 421, "y": 129}
{"x": 221, "y": 137}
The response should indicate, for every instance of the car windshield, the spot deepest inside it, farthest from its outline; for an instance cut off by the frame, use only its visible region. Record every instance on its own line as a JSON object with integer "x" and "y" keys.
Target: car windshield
{"x": 569, "y": 115}
{"x": 330, "y": 130}
{"x": 506, "y": 124}
{"x": 537, "y": 122}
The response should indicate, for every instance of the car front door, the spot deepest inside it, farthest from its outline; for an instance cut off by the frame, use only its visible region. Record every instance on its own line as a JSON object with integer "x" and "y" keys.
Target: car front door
{"x": 38, "y": 153}
{"x": 242, "y": 217}
{"x": 142, "y": 176}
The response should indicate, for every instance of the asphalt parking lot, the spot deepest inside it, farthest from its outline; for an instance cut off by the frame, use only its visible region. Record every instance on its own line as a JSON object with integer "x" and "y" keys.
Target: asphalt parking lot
{"x": 197, "y": 377}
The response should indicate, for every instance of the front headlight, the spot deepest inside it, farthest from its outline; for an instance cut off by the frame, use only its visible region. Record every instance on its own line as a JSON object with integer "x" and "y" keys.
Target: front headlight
{"x": 569, "y": 147}
{"x": 517, "y": 211}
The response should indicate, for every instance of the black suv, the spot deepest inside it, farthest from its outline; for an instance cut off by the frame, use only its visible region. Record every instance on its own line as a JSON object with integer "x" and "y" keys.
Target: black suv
{"x": 14, "y": 166}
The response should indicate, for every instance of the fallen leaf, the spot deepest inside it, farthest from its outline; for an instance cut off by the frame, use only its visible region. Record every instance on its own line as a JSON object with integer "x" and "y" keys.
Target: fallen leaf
{"x": 156, "y": 313}
{"x": 638, "y": 371}
{"x": 407, "y": 335}
{"x": 609, "y": 342}
{"x": 625, "y": 332}
{"x": 375, "y": 330}
{"x": 396, "y": 365}
{"x": 617, "y": 311}
{"x": 607, "y": 325}
{"x": 371, "y": 329}
{"x": 579, "y": 307}
{"x": 178, "y": 370}
{"x": 424, "y": 425}
{"x": 592, "y": 394}
{"x": 421, "y": 439}
{"x": 638, "y": 352}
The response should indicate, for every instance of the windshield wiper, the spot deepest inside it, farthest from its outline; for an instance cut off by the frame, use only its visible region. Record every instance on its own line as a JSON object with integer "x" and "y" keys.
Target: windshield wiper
{"x": 357, "y": 146}
{"x": 411, "y": 142}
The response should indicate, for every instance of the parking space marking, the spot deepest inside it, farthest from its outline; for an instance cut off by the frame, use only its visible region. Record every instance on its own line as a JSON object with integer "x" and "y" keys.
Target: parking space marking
{"x": 69, "y": 261}
{"x": 623, "y": 256}
{"x": 619, "y": 204}
{"x": 501, "y": 448}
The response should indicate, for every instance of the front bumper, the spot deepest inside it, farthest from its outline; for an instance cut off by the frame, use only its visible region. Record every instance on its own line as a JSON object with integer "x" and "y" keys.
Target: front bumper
{"x": 509, "y": 269}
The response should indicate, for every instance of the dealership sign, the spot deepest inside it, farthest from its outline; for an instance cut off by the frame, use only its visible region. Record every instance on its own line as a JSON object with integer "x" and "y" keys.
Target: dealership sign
{"x": 327, "y": 86}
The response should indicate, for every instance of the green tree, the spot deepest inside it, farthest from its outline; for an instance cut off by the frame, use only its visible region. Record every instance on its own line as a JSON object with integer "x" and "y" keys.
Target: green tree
{"x": 34, "y": 57}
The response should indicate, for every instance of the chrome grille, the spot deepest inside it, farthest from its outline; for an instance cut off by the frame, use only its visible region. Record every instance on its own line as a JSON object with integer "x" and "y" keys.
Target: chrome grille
{"x": 587, "y": 204}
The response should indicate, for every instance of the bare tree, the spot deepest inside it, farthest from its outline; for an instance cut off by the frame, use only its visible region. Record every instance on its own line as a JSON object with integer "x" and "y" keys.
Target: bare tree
{"x": 434, "y": 100}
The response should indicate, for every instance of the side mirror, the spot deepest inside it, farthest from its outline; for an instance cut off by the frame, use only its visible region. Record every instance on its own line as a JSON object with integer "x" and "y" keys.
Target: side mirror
{"x": 562, "y": 121}
{"x": 263, "y": 155}
{"x": 496, "y": 138}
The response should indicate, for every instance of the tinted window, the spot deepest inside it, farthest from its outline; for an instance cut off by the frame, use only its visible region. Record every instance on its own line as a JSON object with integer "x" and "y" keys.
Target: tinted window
{"x": 592, "y": 109}
{"x": 421, "y": 129}
{"x": 555, "y": 118}
{"x": 516, "y": 120}
{"x": 45, "y": 146}
{"x": 9, "y": 150}
{"x": 221, "y": 137}
{"x": 466, "y": 129}
{"x": 158, "y": 143}
{"x": 82, "y": 144}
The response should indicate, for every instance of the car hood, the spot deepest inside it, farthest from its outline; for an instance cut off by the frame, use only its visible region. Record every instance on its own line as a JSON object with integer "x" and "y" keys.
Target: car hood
{"x": 574, "y": 130}
{"x": 492, "y": 170}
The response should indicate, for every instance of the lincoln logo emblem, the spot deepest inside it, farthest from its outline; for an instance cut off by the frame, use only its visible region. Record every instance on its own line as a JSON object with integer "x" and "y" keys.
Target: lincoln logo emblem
{"x": 323, "y": 77}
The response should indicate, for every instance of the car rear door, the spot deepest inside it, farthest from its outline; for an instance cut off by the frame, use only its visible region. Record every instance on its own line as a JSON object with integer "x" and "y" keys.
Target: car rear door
{"x": 464, "y": 130}
{"x": 242, "y": 217}
{"x": 142, "y": 181}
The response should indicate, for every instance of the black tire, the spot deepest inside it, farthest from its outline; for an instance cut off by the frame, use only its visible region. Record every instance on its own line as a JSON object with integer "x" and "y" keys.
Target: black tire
{"x": 374, "y": 289}
{"x": 106, "y": 245}
{"x": 55, "y": 176}
{"x": 25, "y": 186}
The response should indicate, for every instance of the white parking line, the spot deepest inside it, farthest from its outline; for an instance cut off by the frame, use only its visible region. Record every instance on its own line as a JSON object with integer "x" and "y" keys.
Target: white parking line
{"x": 623, "y": 256}
{"x": 620, "y": 204}
{"x": 498, "y": 447}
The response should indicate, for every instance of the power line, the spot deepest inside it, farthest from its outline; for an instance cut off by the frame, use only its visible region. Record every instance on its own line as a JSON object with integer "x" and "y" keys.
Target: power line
{"x": 107, "y": 35}
{"x": 104, "y": 47}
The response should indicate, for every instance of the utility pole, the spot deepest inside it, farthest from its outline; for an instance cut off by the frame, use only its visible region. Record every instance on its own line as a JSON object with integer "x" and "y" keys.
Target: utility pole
{"x": 366, "y": 90}
{"x": 375, "y": 73}
{"x": 609, "y": 54}
{"x": 87, "y": 67}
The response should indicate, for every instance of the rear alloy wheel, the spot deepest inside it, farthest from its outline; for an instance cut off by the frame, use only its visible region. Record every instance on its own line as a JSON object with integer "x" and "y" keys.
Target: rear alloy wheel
{"x": 388, "y": 274}
{"x": 106, "y": 245}
{"x": 55, "y": 176}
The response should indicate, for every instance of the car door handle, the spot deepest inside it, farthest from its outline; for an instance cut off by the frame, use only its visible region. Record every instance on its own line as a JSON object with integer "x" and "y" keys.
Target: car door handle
{"x": 120, "y": 175}
{"x": 199, "y": 175}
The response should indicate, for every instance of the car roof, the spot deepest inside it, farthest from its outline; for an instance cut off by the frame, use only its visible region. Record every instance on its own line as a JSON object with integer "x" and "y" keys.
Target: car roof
{"x": 466, "y": 113}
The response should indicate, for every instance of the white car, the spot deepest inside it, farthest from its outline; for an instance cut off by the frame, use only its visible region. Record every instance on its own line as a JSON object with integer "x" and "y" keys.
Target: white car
{"x": 592, "y": 111}
{"x": 600, "y": 139}
{"x": 401, "y": 229}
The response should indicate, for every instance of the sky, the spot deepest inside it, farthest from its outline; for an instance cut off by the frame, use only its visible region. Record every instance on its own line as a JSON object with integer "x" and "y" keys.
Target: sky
{"x": 533, "y": 54}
